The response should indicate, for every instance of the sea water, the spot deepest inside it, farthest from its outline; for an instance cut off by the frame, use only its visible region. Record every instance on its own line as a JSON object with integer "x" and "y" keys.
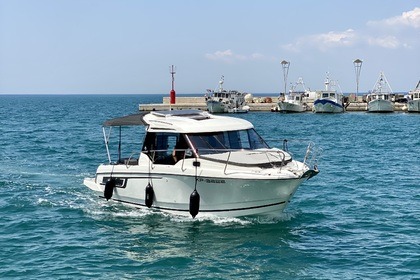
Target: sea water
{"x": 359, "y": 218}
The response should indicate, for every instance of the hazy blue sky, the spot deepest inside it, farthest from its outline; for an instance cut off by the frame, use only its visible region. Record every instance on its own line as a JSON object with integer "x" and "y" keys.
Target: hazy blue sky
{"x": 127, "y": 46}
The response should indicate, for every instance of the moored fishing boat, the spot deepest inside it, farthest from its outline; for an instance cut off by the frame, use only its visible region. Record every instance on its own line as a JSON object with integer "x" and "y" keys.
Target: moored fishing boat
{"x": 330, "y": 100}
{"x": 413, "y": 104}
{"x": 295, "y": 100}
{"x": 194, "y": 163}
{"x": 380, "y": 98}
{"x": 226, "y": 101}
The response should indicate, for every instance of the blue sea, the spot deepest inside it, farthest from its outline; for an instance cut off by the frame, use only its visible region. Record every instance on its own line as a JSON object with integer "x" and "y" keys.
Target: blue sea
{"x": 358, "y": 219}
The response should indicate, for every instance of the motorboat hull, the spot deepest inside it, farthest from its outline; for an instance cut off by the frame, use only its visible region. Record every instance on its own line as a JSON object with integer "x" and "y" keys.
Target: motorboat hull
{"x": 214, "y": 106}
{"x": 380, "y": 106}
{"x": 242, "y": 110}
{"x": 327, "y": 106}
{"x": 289, "y": 107}
{"x": 226, "y": 196}
{"x": 413, "y": 106}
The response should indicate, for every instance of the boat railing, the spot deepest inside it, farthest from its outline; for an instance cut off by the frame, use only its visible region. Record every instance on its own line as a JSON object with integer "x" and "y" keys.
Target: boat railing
{"x": 275, "y": 158}
{"x": 131, "y": 160}
{"x": 312, "y": 154}
{"x": 267, "y": 152}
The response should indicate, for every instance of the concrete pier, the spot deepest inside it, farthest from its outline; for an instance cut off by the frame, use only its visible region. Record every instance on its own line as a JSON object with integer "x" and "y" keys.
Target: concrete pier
{"x": 184, "y": 103}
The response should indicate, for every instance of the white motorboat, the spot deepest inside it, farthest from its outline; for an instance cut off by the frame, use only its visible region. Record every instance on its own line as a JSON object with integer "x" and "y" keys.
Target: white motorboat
{"x": 195, "y": 163}
{"x": 226, "y": 101}
{"x": 413, "y": 104}
{"x": 380, "y": 98}
{"x": 329, "y": 100}
{"x": 295, "y": 100}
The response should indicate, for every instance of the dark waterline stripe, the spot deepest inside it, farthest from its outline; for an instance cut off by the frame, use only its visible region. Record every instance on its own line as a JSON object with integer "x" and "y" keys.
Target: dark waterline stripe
{"x": 203, "y": 211}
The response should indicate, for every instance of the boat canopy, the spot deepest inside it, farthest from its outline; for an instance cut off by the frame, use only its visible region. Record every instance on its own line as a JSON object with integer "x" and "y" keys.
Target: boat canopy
{"x": 181, "y": 121}
{"x": 130, "y": 120}
{"x": 192, "y": 121}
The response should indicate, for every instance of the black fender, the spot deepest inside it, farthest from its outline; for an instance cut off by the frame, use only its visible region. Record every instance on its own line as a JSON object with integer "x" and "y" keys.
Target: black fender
{"x": 149, "y": 195}
{"x": 109, "y": 188}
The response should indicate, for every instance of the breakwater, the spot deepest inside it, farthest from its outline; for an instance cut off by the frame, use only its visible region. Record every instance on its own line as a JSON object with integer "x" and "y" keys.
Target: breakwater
{"x": 184, "y": 103}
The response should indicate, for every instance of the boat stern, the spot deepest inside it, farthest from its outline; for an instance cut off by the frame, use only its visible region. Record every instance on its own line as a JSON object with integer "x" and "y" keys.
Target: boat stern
{"x": 91, "y": 184}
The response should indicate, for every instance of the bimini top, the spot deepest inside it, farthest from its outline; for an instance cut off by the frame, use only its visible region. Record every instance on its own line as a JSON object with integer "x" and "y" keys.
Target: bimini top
{"x": 183, "y": 121}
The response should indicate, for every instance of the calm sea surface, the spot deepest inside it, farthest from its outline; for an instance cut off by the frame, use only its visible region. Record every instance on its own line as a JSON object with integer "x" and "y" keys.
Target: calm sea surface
{"x": 358, "y": 219}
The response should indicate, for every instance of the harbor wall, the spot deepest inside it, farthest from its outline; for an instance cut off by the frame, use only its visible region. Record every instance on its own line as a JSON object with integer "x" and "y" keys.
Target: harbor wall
{"x": 184, "y": 103}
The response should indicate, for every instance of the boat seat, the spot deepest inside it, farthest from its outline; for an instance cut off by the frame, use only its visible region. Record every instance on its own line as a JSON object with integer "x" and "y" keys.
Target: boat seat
{"x": 128, "y": 161}
{"x": 165, "y": 160}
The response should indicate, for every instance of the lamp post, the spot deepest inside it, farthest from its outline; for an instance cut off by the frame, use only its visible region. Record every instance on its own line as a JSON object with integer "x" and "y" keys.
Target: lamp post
{"x": 357, "y": 68}
{"x": 285, "y": 64}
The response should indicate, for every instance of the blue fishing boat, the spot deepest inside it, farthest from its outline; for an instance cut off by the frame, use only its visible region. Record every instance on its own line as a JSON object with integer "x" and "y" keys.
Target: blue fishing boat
{"x": 329, "y": 100}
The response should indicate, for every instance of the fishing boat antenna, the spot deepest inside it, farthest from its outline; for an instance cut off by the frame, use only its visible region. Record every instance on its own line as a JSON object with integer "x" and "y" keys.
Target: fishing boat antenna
{"x": 222, "y": 80}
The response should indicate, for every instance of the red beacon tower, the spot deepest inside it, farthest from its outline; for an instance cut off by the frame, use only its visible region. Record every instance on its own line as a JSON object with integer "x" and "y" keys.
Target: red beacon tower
{"x": 172, "y": 94}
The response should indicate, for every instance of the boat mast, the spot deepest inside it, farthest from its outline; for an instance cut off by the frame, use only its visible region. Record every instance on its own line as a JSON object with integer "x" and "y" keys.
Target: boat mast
{"x": 301, "y": 82}
{"x": 222, "y": 80}
{"x": 327, "y": 82}
{"x": 381, "y": 84}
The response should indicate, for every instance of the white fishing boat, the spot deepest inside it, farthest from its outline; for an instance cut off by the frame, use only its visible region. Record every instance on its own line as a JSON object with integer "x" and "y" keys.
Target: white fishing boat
{"x": 380, "y": 98}
{"x": 413, "y": 104}
{"x": 295, "y": 100}
{"x": 226, "y": 101}
{"x": 330, "y": 100}
{"x": 194, "y": 163}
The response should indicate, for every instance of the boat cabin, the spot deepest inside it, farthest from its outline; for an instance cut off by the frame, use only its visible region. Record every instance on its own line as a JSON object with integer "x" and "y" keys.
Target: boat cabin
{"x": 225, "y": 94}
{"x": 295, "y": 96}
{"x": 331, "y": 95}
{"x": 415, "y": 95}
{"x": 175, "y": 135}
{"x": 372, "y": 97}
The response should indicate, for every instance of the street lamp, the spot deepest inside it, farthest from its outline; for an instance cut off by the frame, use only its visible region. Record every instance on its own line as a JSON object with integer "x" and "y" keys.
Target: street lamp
{"x": 285, "y": 64}
{"x": 357, "y": 68}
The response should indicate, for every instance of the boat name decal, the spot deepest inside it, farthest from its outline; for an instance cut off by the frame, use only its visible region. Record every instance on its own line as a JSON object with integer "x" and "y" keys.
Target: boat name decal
{"x": 212, "y": 181}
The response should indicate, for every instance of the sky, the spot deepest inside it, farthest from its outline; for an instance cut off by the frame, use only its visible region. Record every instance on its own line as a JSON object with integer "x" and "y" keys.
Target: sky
{"x": 127, "y": 46}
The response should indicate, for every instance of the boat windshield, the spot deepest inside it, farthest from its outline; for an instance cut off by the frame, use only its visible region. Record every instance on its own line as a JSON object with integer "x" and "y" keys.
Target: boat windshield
{"x": 216, "y": 142}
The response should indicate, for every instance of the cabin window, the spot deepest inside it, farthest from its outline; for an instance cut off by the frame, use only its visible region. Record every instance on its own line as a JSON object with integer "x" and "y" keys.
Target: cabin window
{"x": 332, "y": 94}
{"x": 255, "y": 140}
{"x": 165, "y": 148}
{"x": 216, "y": 142}
{"x": 324, "y": 95}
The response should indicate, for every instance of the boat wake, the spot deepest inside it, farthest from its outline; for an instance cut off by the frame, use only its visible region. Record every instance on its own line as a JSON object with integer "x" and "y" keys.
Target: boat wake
{"x": 118, "y": 211}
